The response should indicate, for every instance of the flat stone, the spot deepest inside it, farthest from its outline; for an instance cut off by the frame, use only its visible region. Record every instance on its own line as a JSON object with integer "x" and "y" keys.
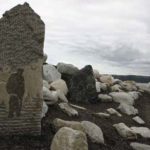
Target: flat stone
{"x": 143, "y": 131}
{"x": 128, "y": 109}
{"x": 124, "y": 131}
{"x": 21, "y": 60}
{"x": 66, "y": 108}
{"x": 139, "y": 146}
{"x": 112, "y": 111}
{"x": 138, "y": 120}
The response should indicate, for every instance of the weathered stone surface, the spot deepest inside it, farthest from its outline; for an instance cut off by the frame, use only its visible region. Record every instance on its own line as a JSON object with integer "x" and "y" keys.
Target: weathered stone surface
{"x": 50, "y": 73}
{"x": 66, "y": 108}
{"x": 21, "y": 59}
{"x": 138, "y": 120}
{"x": 112, "y": 111}
{"x": 143, "y": 131}
{"x": 82, "y": 86}
{"x": 139, "y": 146}
{"x": 127, "y": 109}
{"x": 67, "y": 68}
{"x": 69, "y": 139}
{"x": 124, "y": 131}
{"x": 93, "y": 131}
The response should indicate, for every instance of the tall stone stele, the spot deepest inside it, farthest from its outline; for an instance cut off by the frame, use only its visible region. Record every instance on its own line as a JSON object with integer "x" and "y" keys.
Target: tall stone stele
{"x": 21, "y": 58}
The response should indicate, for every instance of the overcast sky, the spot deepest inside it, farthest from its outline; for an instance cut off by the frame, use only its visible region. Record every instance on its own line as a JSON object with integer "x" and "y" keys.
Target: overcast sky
{"x": 111, "y": 35}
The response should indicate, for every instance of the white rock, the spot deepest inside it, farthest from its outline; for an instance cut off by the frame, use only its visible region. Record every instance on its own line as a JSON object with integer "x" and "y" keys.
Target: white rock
{"x": 44, "y": 109}
{"x": 68, "y": 109}
{"x": 112, "y": 111}
{"x": 69, "y": 139}
{"x": 98, "y": 86}
{"x": 129, "y": 86}
{"x": 144, "y": 87}
{"x": 122, "y": 97}
{"x": 138, "y": 120}
{"x": 105, "y": 98}
{"x": 102, "y": 115}
{"x": 139, "y": 146}
{"x": 135, "y": 94}
{"x": 93, "y": 131}
{"x": 50, "y": 73}
{"x": 127, "y": 109}
{"x": 60, "y": 85}
{"x": 143, "y": 131}
{"x": 59, "y": 123}
{"x": 66, "y": 68}
{"x": 116, "y": 81}
{"x": 46, "y": 84}
{"x": 49, "y": 96}
{"x": 108, "y": 79}
{"x": 124, "y": 131}
{"x": 116, "y": 88}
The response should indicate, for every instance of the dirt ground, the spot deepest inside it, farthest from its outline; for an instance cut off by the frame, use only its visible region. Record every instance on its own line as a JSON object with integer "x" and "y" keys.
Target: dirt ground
{"x": 112, "y": 139}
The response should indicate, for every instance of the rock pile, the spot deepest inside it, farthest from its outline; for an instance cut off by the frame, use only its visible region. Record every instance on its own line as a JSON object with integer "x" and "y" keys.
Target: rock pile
{"x": 87, "y": 86}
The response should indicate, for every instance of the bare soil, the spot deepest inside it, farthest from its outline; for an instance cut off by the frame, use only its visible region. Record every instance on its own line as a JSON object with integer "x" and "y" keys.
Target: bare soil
{"x": 112, "y": 139}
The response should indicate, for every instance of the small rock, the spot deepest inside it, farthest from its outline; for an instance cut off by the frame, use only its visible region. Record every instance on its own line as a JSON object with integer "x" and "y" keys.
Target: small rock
{"x": 50, "y": 73}
{"x": 102, "y": 115}
{"x": 105, "y": 98}
{"x": 124, "y": 131}
{"x": 69, "y": 139}
{"x": 68, "y": 109}
{"x": 93, "y": 131}
{"x": 78, "y": 107}
{"x": 139, "y": 146}
{"x": 135, "y": 94}
{"x": 59, "y": 123}
{"x": 122, "y": 97}
{"x": 127, "y": 109}
{"x": 108, "y": 79}
{"x": 112, "y": 111}
{"x": 138, "y": 120}
{"x": 143, "y": 131}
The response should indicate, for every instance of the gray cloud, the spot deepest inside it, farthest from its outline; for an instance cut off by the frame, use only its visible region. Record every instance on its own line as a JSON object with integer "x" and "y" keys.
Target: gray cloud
{"x": 112, "y": 35}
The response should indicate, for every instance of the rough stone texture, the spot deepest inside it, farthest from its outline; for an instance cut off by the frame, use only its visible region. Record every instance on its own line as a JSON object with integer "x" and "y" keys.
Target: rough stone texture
{"x": 69, "y": 139}
{"x": 139, "y": 146}
{"x": 82, "y": 86}
{"x": 21, "y": 59}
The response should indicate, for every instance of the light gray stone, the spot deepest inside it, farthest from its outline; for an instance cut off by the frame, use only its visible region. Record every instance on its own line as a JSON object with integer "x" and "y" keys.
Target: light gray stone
{"x": 138, "y": 120}
{"x": 139, "y": 146}
{"x": 69, "y": 139}
{"x": 93, "y": 131}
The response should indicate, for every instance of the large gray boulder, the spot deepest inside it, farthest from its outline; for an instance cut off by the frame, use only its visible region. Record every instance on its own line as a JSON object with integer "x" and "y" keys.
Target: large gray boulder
{"x": 67, "y": 68}
{"x": 82, "y": 86}
{"x": 50, "y": 73}
{"x": 69, "y": 139}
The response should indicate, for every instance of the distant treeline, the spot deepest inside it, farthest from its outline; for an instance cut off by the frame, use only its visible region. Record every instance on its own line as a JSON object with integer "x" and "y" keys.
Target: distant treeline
{"x": 140, "y": 79}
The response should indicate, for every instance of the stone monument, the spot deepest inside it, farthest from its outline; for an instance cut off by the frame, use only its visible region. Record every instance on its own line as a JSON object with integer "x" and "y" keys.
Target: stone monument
{"x": 21, "y": 60}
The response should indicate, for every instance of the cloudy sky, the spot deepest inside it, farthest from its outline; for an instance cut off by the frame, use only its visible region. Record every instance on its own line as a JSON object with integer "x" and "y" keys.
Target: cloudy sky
{"x": 112, "y": 35}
